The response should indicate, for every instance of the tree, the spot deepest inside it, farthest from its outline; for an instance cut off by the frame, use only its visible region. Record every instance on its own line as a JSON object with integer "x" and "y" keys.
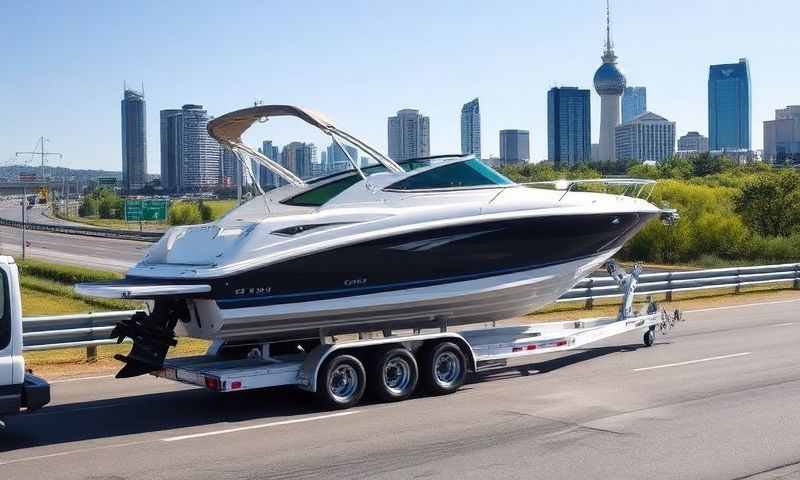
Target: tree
{"x": 88, "y": 207}
{"x": 770, "y": 204}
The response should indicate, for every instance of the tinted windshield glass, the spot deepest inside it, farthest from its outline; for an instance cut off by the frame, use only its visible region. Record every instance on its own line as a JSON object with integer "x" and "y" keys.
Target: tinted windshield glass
{"x": 470, "y": 173}
{"x": 320, "y": 195}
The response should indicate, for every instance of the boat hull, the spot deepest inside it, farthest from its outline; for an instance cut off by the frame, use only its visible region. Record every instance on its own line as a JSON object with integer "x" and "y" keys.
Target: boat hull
{"x": 473, "y": 301}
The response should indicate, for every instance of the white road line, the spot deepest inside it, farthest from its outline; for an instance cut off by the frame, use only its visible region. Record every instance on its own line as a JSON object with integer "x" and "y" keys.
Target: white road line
{"x": 47, "y": 411}
{"x": 254, "y": 427}
{"x": 80, "y": 379}
{"x": 787, "y": 324}
{"x": 730, "y": 307}
{"x": 70, "y": 452}
{"x": 690, "y": 362}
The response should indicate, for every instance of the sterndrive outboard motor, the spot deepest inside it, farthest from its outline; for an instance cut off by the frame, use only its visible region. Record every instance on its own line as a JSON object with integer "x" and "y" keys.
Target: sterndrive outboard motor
{"x": 152, "y": 335}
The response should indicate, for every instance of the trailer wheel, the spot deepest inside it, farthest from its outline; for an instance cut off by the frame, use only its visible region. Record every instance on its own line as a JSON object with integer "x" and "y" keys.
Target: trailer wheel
{"x": 649, "y": 338}
{"x": 395, "y": 375}
{"x": 342, "y": 381}
{"x": 444, "y": 368}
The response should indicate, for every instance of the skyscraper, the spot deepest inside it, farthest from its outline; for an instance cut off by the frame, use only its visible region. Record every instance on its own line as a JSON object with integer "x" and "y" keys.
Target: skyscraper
{"x": 729, "y": 106}
{"x": 190, "y": 159}
{"x": 228, "y": 169}
{"x": 693, "y": 142}
{"x": 266, "y": 178}
{"x": 171, "y": 148}
{"x": 515, "y": 146}
{"x": 409, "y": 135}
{"x": 298, "y": 157}
{"x": 134, "y": 140}
{"x": 648, "y": 137}
{"x": 569, "y": 126}
{"x": 782, "y": 136}
{"x": 201, "y": 155}
{"x": 336, "y": 160}
{"x": 471, "y": 128}
{"x": 609, "y": 82}
{"x": 634, "y": 102}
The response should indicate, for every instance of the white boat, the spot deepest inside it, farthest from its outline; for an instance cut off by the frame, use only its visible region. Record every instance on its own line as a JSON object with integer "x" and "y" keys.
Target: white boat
{"x": 432, "y": 241}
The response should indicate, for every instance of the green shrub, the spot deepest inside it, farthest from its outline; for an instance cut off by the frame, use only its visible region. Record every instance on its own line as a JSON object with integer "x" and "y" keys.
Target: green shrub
{"x": 63, "y": 273}
{"x": 185, "y": 213}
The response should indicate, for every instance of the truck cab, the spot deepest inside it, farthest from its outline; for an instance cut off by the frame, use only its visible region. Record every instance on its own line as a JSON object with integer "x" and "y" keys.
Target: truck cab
{"x": 18, "y": 390}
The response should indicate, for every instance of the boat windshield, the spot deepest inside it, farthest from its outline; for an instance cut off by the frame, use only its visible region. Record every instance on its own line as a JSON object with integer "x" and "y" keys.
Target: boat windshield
{"x": 467, "y": 173}
{"x": 325, "y": 191}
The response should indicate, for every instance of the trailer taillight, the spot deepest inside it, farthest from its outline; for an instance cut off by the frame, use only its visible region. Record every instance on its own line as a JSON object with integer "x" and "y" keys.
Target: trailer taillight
{"x": 212, "y": 383}
{"x": 236, "y": 384}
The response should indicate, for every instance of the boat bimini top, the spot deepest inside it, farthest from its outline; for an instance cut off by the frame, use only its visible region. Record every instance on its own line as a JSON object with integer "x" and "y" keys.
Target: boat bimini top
{"x": 228, "y": 130}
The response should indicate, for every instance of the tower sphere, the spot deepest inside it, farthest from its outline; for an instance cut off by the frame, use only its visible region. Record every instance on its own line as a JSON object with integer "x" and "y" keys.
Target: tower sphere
{"x": 609, "y": 80}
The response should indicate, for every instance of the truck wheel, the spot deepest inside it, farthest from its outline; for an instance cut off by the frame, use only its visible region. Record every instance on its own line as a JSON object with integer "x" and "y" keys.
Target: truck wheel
{"x": 341, "y": 382}
{"x": 444, "y": 368}
{"x": 395, "y": 375}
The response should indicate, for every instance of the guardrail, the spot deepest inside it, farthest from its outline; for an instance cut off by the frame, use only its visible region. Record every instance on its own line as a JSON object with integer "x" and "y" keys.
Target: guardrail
{"x": 90, "y": 330}
{"x": 85, "y": 231}
{"x": 66, "y": 331}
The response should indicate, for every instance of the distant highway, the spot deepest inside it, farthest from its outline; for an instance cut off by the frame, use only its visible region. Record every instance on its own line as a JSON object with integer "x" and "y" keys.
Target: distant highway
{"x": 715, "y": 399}
{"x": 92, "y": 252}
{"x": 10, "y": 209}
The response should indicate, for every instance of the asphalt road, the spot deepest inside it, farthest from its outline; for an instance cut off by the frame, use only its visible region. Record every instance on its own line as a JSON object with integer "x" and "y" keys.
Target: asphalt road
{"x": 715, "y": 399}
{"x": 93, "y": 252}
{"x": 11, "y": 210}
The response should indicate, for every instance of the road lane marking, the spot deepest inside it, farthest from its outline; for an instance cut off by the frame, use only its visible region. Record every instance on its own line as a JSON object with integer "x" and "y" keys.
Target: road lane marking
{"x": 729, "y": 307}
{"x": 690, "y": 362}
{"x": 787, "y": 324}
{"x": 255, "y": 427}
{"x": 79, "y": 379}
{"x": 70, "y": 452}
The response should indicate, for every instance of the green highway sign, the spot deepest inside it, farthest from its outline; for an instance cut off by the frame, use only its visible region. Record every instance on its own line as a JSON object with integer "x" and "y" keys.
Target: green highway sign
{"x": 146, "y": 210}
{"x": 108, "y": 181}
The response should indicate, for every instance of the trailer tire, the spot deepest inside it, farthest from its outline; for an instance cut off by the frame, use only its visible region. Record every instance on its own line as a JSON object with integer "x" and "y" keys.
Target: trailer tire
{"x": 444, "y": 368}
{"x": 394, "y": 374}
{"x": 649, "y": 338}
{"x": 341, "y": 382}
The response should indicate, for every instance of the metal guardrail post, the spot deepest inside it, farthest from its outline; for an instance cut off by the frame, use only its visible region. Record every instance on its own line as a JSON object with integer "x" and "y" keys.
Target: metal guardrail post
{"x": 589, "y": 301}
{"x": 669, "y": 287}
{"x": 796, "y": 284}
{"x": 738, "y": 288}
{"x": 91, "y": 350}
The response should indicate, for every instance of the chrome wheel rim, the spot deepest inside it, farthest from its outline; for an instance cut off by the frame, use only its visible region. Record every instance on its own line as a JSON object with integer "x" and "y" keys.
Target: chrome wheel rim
{"x": 397, "y": 375}
{"x": 447, "y": 368}
{"x": 343, "y": 382}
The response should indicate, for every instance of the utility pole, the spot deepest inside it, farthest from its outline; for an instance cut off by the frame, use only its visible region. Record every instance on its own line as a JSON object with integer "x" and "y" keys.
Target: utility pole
{"x": 42, "y": 153}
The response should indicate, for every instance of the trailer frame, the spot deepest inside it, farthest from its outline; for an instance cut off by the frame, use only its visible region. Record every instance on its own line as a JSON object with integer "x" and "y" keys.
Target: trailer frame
{"x": 482, "y": 349}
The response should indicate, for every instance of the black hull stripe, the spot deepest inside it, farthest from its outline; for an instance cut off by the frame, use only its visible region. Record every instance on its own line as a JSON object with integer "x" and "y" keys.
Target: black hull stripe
{"x": 228, "y": 303}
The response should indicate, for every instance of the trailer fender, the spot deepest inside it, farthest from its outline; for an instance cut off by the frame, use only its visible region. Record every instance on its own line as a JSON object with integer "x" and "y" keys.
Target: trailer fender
{"x": 307, "y": 377}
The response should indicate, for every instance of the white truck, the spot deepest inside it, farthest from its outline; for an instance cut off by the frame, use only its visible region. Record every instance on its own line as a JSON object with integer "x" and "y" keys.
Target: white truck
{"x": 19, "y": 390}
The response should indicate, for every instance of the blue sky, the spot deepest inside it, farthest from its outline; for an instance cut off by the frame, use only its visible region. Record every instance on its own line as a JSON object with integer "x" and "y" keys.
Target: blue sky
{"x": 64, "y": 63}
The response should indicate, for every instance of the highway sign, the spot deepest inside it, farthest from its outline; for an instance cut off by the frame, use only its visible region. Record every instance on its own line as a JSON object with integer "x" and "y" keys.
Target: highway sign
{"x": 107, "y": 181}
{"x": 146, "y": 210}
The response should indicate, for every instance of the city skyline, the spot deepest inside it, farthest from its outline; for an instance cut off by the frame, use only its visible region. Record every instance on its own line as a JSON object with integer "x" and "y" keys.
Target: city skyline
{"x": 86, "y": 127}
